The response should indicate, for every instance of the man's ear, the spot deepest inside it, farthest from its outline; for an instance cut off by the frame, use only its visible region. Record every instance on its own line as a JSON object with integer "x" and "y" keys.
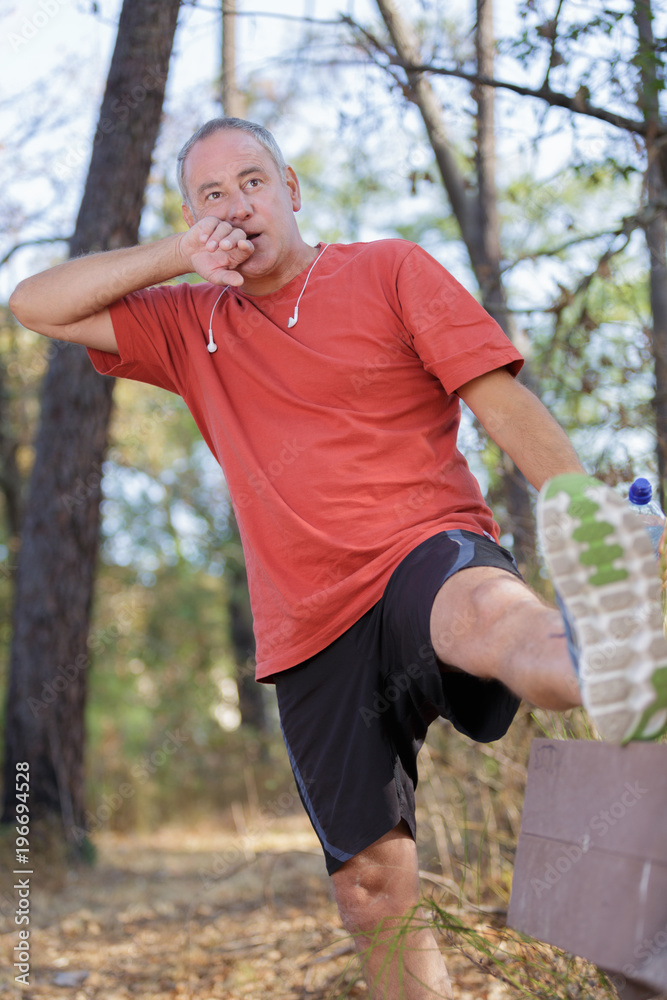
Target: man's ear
{"x": 292, "y": 182}
{"x": 187, "y": 215}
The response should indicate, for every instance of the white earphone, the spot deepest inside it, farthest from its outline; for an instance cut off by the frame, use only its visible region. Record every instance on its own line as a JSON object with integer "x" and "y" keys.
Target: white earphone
{"x": 292, "y": 321}
{"x": 212, "y": 346}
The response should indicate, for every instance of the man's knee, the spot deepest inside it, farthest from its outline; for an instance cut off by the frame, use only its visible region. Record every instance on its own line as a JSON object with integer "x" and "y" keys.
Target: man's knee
{"x": 380, "y": 882}
{"x": 469, "y": 610}
{"x": 493, "y": 599}
{"x": 361, "y": 902}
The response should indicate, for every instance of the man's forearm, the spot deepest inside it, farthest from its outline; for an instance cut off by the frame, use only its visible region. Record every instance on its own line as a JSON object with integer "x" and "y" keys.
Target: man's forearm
{"x": 535, "y": 442}
{"x": 522, "y": 426}
{"x": 79, "y": 288}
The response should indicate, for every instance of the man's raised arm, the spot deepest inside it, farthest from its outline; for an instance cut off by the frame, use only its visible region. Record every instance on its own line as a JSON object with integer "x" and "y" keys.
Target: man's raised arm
{"x": 521, "y": 425}
{"x": 70, "y": 301}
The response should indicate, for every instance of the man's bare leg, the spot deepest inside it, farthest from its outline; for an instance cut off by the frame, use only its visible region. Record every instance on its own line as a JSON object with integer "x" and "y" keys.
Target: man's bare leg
{"x": 376, "y": 891}
{"x": 489, "y": 623}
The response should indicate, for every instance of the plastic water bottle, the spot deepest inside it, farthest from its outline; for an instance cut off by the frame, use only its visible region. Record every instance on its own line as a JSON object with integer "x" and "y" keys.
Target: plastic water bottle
{"x": 642, "y": 503}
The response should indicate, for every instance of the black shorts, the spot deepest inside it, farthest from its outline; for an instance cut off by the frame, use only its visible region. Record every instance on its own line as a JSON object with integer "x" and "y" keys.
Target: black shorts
{"x": 355, "y": 715}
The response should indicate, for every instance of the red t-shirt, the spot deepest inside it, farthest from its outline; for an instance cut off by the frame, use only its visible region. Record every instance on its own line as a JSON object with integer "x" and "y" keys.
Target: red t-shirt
{"x": 337, "y": 437}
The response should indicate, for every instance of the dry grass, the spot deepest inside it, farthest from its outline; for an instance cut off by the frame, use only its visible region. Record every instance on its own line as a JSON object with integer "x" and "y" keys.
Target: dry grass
{"x": 470, "y": 802}
{"x": 147, "y": 922}
{"x": 239, "y": 905}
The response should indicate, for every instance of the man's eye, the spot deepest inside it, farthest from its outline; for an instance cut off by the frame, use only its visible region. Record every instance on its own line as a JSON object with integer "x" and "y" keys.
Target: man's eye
{"x": 254, "y": 182}
{"x": 212, "y": 195}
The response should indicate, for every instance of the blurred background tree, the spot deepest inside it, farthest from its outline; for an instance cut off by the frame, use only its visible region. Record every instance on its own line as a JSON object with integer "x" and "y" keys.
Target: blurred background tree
{"x": 59, "y": 526}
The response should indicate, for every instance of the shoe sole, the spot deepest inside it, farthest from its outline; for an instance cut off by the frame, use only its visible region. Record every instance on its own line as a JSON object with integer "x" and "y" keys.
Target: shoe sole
{"x": 604, "y": 568}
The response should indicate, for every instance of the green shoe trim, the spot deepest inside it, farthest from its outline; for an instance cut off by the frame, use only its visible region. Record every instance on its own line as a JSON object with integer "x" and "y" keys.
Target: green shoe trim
{"x": 659, "y": 682}
{"x": 590, "y": 530}
{"x": 572, "y": 483}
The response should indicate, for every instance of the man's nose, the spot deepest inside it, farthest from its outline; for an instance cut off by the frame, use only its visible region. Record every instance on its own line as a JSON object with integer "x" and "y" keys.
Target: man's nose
{"x": 239, "y": 208}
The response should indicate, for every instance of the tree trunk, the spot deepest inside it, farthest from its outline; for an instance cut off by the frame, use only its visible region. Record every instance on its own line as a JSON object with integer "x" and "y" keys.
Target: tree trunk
{"x": 232, "y": 100}
{"x": 477, "y": 217}
{"x": 251, "y": 694}
{"x": 656, "y": 230}
{"x": 56, "y": 564}
{"x": 489, "y": 274}
{"x": 11, "y": 483}
{"x": 485, "y": 234}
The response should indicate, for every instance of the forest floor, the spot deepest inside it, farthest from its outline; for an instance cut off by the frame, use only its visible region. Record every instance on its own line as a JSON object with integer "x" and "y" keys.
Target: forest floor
{"x": 187, "y": 914}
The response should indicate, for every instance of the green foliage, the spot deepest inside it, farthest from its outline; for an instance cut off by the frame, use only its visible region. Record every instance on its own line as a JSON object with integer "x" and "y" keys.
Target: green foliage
{"x": 160, "y": 625}
{"x": 166, "y": 217}
{"x": 589, "y": 346}
{"x": 573, "y": 31}
{"x": 340, "y": 192}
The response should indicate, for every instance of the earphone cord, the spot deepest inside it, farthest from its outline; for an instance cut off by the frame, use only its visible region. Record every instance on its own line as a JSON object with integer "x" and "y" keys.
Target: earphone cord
{"x": 294, "y": 319}
{"x": 212, "y": 346}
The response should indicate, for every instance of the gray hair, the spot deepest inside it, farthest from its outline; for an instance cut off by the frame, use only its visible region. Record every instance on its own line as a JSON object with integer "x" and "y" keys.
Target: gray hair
{"x": 258, "y": 132}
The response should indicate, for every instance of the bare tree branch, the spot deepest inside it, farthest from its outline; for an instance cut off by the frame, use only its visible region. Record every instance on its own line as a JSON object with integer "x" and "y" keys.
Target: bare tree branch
{"x": 33, "y": 243}
{"x": 643, "y": 218}
{"x": 419, "y": 90}
{"x": 577, "y": 104}
{"x": 561, "y": 247}
{"x": 303, "y": 18}
{"x": 554, "y": 55}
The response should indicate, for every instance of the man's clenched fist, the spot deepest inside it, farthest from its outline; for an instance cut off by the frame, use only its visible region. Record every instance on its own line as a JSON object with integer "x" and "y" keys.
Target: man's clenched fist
{"x": 214, "y": 250}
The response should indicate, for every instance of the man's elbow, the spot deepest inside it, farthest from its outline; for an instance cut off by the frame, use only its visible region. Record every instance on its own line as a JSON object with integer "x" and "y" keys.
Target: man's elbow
{"x": 21, "y": 304}
{"x": 16, "y": 301}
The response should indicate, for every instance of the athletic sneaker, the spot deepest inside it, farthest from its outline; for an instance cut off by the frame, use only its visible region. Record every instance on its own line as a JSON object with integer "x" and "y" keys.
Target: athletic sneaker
{"x": 604, "y": 570}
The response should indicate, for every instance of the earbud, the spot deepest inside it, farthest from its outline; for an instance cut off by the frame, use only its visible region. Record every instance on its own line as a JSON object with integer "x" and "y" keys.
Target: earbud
{"x": 212, "y": 346}
{"x": 293, "y": 320}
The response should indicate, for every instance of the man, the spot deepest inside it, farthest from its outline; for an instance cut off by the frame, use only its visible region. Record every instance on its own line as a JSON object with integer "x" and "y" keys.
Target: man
{"x": 327, "y": 380}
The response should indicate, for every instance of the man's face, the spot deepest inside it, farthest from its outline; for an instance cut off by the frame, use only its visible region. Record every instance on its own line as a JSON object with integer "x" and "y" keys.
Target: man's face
{"x": 232, "y": 177}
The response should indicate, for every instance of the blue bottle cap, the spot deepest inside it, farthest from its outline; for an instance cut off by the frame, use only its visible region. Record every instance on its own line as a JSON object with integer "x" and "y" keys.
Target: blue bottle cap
{"x": 640, "y": 492}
